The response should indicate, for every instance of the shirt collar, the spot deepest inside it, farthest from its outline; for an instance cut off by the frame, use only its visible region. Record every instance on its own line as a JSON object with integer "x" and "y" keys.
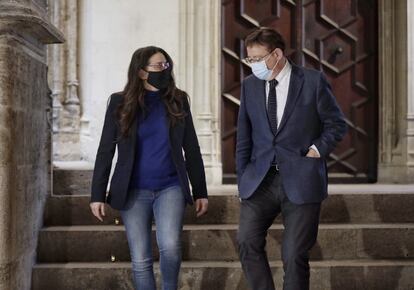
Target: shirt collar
{"x": 284, "y": 72}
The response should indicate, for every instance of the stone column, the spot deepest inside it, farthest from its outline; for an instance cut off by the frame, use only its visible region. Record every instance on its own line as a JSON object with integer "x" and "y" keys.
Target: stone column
{"x": 63, "y": 59}
{"x": 55, "y": 72}
{"x": 410, "y": 89}
{"x": 199, "y": 75}
{"x": 25, "y": 105}
{"x": 396, "y": 128}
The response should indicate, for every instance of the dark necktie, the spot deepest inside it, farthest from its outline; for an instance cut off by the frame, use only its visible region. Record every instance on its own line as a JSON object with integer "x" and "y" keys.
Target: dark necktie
{"x": 272, "y": 105}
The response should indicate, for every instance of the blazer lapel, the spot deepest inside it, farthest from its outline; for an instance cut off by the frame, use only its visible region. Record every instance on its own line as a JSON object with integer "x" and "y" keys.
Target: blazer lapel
{"x": 295, "y": 86}
{"x": 261, "y": 91}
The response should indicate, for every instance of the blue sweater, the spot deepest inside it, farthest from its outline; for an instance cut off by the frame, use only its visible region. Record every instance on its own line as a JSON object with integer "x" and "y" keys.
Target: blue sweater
{"x": 154, "y": 168}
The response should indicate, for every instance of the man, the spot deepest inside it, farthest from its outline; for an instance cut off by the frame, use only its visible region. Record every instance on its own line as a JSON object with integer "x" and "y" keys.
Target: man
{"x": 288, "y": 124}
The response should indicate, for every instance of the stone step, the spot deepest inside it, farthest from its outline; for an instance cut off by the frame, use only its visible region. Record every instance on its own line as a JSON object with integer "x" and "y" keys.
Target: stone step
{"x": 74, "y": 178}
{"x": 218, "y": 242}
{"x": 340, "y": 207}
{"x": 325, "y": 275}
{"x": 68, "y": 181}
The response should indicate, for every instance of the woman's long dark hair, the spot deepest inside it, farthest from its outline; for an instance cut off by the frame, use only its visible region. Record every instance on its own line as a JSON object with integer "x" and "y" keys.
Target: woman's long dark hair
{"x": 133, "y": 101}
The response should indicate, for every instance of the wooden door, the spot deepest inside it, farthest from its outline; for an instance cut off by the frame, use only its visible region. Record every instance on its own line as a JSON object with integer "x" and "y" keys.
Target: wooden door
{"x": 338, "y": 37}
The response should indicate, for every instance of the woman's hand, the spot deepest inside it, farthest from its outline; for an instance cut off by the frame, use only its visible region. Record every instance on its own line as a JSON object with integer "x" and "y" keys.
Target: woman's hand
{"x": 201, "y": 206}
{"x": 98, "y": 210}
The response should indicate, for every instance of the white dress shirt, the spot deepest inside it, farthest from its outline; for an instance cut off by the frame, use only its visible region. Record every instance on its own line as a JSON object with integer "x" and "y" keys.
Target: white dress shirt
{"x": 282, "y": 89}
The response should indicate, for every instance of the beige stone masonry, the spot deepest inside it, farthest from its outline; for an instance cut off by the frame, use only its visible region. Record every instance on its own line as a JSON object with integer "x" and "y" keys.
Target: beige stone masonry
{"x": 25, "y": 106}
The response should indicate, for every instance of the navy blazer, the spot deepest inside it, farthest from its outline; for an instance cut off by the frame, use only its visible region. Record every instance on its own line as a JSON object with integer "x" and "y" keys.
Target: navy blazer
{"x": 181, "y": 136}
{"x": 311, "y": 116}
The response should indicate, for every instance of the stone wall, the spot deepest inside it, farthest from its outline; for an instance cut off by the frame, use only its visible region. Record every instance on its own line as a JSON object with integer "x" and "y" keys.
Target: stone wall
{"x": 25, "y": 146}
{"x": 106, "y": 50}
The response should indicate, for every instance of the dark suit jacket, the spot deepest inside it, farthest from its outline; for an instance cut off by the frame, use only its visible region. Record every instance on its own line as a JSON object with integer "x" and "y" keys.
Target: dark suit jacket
{"x": 311, "y": 116}
{"x": 182, "y": 136}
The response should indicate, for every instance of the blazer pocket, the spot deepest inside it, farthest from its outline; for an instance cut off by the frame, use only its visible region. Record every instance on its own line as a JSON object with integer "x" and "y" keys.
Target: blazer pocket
{"x": 305, "y": 108}
{"x": 304, "y": 105}
{"x": 313, "y": 158}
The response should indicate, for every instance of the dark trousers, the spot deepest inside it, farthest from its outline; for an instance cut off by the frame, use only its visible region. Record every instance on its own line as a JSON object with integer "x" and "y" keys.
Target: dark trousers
{"x": 257, "y": 214}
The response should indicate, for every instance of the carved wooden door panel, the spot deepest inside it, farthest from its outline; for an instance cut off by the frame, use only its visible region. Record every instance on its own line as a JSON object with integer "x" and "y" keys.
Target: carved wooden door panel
{"x": 338, "y": 37}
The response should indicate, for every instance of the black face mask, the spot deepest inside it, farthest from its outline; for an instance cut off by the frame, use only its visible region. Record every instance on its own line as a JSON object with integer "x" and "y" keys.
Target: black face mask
{"x": 159, "y": 79}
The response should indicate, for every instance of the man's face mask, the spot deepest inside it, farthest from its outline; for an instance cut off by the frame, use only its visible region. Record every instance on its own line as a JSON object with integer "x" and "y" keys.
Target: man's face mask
{"x": 260, "y": 70}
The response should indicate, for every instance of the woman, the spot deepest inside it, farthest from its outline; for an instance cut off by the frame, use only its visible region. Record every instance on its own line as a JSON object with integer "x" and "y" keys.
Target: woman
{"x": 150, "y": 123}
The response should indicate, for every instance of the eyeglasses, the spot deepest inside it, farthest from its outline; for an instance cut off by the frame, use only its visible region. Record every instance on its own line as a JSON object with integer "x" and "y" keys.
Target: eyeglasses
{"x": 160, "y": 65}
{"x": 251, "y": 60}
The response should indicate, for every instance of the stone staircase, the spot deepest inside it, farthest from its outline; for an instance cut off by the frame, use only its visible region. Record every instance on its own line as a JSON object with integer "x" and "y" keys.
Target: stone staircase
{"x": 366, "y": 241}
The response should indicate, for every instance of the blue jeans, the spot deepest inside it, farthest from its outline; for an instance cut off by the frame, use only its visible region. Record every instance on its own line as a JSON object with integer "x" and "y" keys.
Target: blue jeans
{"x": 167, "y": 207}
